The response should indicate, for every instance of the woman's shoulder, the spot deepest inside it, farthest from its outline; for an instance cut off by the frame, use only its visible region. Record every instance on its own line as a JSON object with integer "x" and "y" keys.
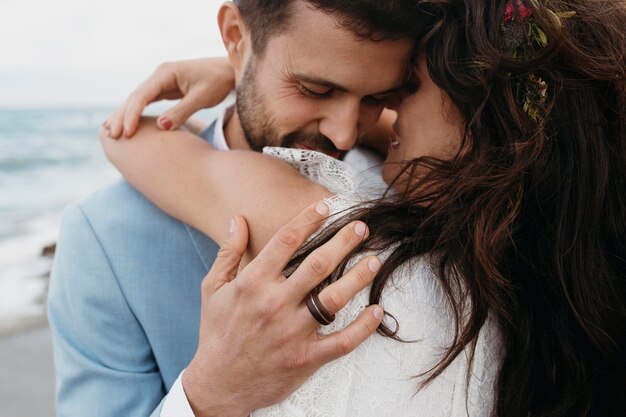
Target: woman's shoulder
{"x": 425, "y": 323}
{"x": 381, "y": 376}
{"x": 355, "y": 182}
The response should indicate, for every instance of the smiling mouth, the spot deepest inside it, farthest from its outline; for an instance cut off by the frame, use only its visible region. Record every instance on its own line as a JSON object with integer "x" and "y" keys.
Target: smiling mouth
{"x": 332, "y": 154}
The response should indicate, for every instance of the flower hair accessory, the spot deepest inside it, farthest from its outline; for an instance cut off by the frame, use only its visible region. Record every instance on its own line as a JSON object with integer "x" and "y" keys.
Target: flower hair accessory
{"x": 523, "y": 37}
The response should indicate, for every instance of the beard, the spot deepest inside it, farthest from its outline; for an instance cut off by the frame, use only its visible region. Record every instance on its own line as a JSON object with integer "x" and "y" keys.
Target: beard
{"x": 259, "y": 129}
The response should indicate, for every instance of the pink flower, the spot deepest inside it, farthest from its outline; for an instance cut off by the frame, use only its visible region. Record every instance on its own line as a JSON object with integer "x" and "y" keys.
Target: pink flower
{"x": 524, "y": 11}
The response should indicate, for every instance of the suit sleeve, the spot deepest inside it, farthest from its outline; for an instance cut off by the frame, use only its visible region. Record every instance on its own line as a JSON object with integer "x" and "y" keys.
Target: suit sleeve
{"x": 103, "y": 360}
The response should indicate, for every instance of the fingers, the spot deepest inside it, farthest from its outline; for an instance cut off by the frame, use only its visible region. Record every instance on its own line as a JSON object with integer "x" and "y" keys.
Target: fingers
{"x": 134, "y": 108}
{"x": 277, "y": 252}
{"x": 180, "y": 113}
{"x": 116, "y": 122}
{"x": 126, "y": 118}
{"x": 335, "y": 297}
{"x": 325, "y": 259}
{"x": 200, "y": 83}
{"x": 338, "y": 344}
{"x": 226, "y": 264}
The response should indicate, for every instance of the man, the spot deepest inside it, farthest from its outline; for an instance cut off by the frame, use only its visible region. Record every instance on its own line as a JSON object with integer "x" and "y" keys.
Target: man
{"x": 124, "y": 300}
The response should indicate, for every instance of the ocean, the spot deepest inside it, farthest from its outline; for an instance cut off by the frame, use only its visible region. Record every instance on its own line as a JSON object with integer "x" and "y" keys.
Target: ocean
{"x": 48, "y": 158}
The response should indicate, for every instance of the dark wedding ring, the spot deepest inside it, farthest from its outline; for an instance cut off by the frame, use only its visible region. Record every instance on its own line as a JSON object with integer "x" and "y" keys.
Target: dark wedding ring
{"x": 317, "y": 310}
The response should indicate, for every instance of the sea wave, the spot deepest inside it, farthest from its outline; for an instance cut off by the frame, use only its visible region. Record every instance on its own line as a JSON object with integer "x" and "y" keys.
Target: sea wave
{"x": 9, "y": 165}
{"x": 48, "y": 158}
{"x": 23, "y": 271}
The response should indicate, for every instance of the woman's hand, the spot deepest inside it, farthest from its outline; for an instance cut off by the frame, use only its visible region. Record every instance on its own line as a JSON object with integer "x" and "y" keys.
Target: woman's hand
{"x": 258, "y": 340}
{"x": 200, "y": 83}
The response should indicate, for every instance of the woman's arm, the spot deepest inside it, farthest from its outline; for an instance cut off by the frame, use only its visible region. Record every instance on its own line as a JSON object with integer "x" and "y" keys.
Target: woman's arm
{"x": 188, "y": 179}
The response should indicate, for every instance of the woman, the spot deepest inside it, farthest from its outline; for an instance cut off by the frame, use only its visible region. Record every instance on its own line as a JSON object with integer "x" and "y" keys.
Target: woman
{"x": 509, "y": 173}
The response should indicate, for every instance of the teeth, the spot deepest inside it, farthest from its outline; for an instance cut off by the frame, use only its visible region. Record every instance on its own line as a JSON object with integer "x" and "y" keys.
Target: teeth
{"x": 395, "y": 142}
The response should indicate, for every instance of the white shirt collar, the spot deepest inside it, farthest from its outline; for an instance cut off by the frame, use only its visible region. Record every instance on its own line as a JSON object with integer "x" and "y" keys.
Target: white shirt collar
{"x": 219, "y": 139}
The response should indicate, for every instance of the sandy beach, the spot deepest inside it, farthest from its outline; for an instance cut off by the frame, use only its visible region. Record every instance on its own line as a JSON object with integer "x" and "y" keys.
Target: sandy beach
{"x": 27, "y": 373}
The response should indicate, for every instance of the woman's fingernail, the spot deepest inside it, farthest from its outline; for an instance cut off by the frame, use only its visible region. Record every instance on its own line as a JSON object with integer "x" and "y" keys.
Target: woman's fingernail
{"x": 321, "y": 208}
{"x": 373, "y": 264}
{"x": 360, "y": 229}
{"x": 165, "y": 123}
{"x": 233, "y": 226}
{"x": 378, "y": 312}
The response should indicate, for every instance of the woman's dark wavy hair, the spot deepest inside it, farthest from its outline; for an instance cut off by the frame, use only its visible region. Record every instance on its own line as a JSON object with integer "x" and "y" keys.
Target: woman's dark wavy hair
{"x": 528, "y": 222}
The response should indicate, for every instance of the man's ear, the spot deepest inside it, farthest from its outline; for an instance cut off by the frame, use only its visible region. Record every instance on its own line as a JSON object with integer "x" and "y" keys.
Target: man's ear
{"x": 234, "y": 33}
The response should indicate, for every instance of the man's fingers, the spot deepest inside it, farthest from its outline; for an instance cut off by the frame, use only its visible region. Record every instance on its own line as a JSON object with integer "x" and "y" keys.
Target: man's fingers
{"x": 338, "y": 344}
{"x": 335, "y": 297}
{"x": 281, "y": 247}
{"x": 325, "y": 259}
{"x": 226, "y": 264}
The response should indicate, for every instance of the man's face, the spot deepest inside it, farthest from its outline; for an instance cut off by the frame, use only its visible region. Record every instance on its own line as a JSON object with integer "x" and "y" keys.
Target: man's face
{"x": 317, "y": 86}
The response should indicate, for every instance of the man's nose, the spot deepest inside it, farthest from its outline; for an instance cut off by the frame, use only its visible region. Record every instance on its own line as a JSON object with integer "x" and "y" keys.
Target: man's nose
{"x": 340, "y": 124}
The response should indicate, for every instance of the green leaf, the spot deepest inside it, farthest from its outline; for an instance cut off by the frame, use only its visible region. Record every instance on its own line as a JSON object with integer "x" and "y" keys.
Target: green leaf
{"x": 543, "y": 39}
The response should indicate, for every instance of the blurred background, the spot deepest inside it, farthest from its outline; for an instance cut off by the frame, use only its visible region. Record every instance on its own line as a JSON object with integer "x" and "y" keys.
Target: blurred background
{"x": 64, "y": 67}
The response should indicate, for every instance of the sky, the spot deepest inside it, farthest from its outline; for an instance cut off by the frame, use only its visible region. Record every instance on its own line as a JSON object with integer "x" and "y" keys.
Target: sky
{"x": 72, "y": 53}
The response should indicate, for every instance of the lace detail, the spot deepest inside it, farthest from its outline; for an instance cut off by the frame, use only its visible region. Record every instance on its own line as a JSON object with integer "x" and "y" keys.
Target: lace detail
{"x": 336, "y": 175}
{"x": 378, "y": 378}
{"x": 338, "y": 204}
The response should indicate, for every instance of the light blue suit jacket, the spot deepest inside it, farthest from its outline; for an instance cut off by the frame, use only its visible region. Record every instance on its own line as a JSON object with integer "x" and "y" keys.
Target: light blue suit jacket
{"x": 124, "y": 303}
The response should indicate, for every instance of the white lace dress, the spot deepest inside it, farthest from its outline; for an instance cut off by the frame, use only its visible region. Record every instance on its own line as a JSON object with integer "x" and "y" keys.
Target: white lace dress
{"x": 377, "y": 379}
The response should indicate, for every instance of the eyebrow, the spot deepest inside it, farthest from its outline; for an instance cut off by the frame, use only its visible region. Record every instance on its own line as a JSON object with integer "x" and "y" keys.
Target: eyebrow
{"x": 329, "y": 84}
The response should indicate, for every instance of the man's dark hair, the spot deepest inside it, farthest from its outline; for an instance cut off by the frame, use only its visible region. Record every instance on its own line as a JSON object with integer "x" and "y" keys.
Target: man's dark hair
{"x": 369, "y": 19}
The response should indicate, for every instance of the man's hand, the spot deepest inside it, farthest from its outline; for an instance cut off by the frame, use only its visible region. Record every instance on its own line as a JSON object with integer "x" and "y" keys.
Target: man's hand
{"x": 200, "y": 83}
{"x": 258, "y": 340}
